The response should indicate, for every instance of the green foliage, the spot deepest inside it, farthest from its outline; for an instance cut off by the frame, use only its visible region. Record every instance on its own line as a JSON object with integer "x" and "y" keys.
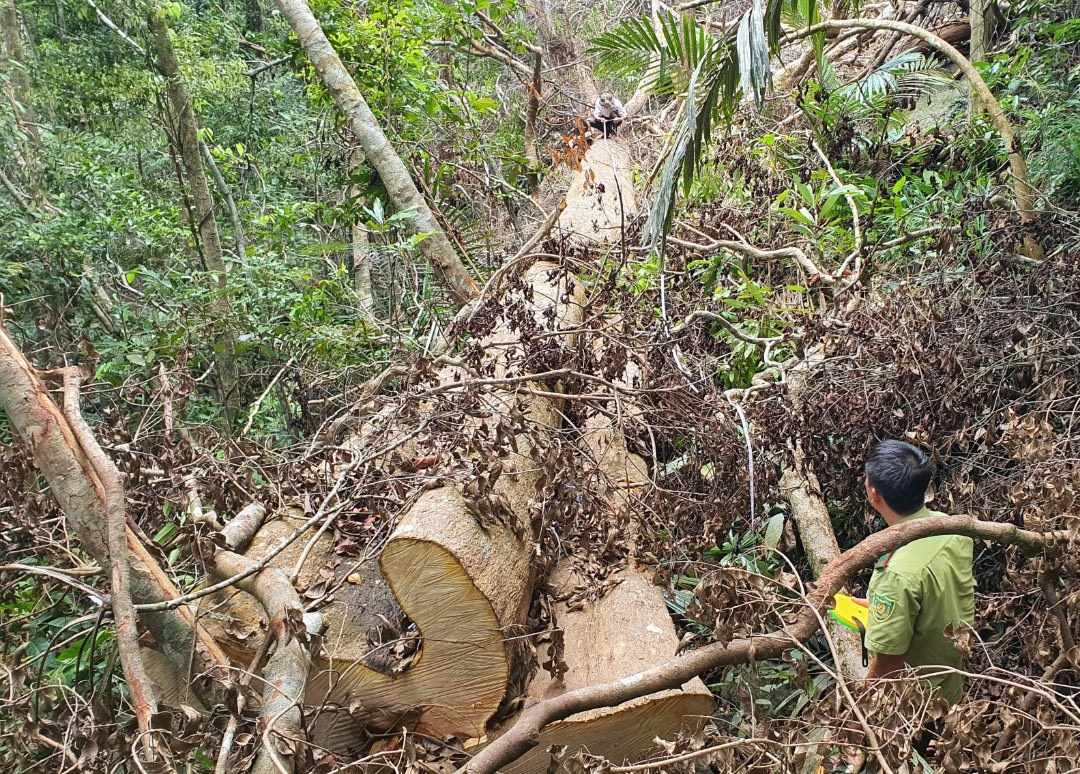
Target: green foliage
{"x": 60, "y": 645}
{"x": 1040, "y": 81}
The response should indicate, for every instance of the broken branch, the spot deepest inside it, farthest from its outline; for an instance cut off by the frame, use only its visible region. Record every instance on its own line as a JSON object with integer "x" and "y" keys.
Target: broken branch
{"x": 525, "y": 733}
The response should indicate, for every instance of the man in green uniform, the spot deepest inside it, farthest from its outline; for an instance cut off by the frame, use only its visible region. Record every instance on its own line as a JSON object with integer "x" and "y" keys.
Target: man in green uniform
{"x": 921, "y": 593}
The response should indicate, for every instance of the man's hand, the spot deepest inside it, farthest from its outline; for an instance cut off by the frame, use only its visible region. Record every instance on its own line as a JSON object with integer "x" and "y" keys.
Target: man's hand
{"x": 884, "y": 665}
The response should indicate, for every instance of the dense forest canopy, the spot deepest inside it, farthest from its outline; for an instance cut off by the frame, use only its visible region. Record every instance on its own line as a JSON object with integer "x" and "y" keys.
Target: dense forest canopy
{"x": 366, "y": 402}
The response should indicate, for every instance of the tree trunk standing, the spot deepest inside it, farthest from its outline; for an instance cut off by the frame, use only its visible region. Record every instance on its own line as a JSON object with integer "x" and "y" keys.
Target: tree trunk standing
{"x": 187, "y": 137}
{"x": 18, "y": 86}
{"x": 395, "y": 175}
{"x": 360, "y": 246}
{"x": 61, "y": 19}
{"x": 980, "y": 40}
{"x": 531, "y": 110}
{"x": 253, "y": 16}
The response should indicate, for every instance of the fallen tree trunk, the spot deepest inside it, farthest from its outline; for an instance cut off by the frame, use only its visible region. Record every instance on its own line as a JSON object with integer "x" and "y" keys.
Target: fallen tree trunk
{"x": 803, "y": 493}
{"x": 526, "y": 732}
{"x": 631, "y": 620}
{"x": 465, "y": 581}
{"x": 601, "y": 199}
{"x": 37, "y": 420}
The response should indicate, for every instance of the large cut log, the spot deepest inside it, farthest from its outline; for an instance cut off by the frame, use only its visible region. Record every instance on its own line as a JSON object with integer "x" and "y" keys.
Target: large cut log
{"x": 601, "y": 202}
{"x": 626, "y": 631}
{"x": 623, "y": 633}
{"x": 465, "y": 585}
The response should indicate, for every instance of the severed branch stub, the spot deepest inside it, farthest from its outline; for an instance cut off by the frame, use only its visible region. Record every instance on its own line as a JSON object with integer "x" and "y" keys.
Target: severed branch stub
{"x": 286, "y": 672}
{"x": 526, "y": 732}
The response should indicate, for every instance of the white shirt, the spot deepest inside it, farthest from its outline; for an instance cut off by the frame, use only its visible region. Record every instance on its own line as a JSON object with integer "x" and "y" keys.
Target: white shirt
{"x": 614, "y": 110}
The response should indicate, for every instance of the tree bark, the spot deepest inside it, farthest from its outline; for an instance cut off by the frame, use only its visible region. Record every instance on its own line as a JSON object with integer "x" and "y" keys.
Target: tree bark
{"x": 36, "y": 419}
{"x": 187, "y": 139}
{"x": 395, "y": 175}
{"x": 143, "y": 702}
{"x": 361, "y": 247}
{"x": 526, "y": 732}
{"x": 19, "y": 81}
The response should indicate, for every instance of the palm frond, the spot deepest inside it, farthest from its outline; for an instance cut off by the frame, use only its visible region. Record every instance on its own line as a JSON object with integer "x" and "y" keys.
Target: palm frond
{"x": 717, "y": 87}
{"x": 752, "y": 45}
{"x": 910, "y": 73}
{"x": 665, "y": 58}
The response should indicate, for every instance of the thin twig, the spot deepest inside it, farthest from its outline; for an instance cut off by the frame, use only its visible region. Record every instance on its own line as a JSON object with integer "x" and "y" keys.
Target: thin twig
{"x": 97, "y": 597}
{"x": 730, "y": 327}
{"x": 258, "y": 403}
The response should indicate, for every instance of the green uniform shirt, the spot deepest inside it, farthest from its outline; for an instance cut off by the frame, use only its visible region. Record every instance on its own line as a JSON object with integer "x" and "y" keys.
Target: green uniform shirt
{"x": 919, "y": 594}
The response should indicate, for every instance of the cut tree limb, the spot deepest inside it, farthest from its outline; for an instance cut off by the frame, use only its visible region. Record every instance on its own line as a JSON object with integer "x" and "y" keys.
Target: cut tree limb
{"x": 286, "y": 672}
{"x": 400, "y": 187}
{"x": 803, "y": 492}
{"x": 59, "y": 456}
{"x": 526, "y": 733}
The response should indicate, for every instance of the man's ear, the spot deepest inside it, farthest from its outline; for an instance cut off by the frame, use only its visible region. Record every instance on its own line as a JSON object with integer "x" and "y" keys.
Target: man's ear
{"x": 873, "y": 495}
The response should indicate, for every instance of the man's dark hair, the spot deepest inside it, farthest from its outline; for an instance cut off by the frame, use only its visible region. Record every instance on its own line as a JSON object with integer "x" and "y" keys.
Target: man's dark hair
{"x": 900, "y": 472}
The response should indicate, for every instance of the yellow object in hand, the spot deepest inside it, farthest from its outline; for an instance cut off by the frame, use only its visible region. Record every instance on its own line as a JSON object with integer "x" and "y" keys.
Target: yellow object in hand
{"x": 854, "y": 615}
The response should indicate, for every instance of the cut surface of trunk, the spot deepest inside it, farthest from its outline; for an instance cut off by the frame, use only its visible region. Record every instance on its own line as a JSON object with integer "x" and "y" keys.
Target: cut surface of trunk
{"x": 625, "y": 632}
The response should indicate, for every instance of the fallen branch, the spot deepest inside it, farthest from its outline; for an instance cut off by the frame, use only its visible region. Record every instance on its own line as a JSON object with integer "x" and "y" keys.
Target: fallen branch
{"x": 747, "y": 249}
{"x": 525, "y": 733}
{"x": 143, "y": 702}
{"x": 802, "y": 490}
{"x": 75, "y": 484}
{"x": 730, "y": 327}
{"x": 286, "y": 673}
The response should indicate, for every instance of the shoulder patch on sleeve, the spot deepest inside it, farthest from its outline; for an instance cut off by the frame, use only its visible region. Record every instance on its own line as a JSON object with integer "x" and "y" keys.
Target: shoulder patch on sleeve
{"x": 883, "y": 561}
{"x": 881, "y": 607}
